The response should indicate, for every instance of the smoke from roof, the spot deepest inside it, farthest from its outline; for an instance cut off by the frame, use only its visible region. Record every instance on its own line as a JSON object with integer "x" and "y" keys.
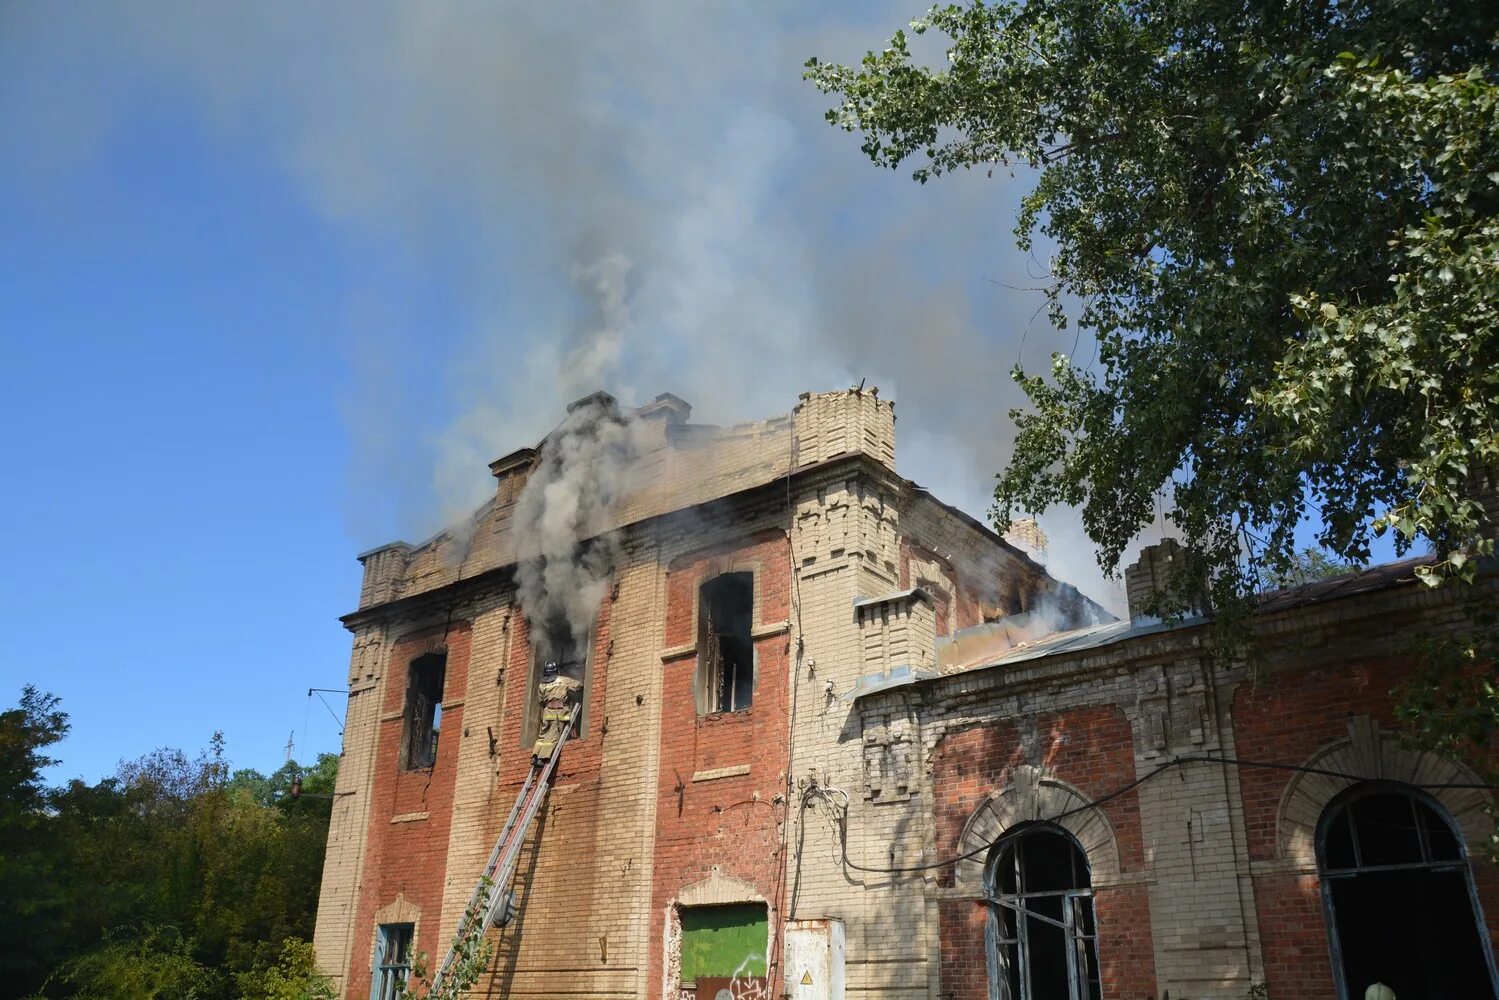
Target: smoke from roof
{"x": 565, "y": 550}
{"x": 638, "y": 196}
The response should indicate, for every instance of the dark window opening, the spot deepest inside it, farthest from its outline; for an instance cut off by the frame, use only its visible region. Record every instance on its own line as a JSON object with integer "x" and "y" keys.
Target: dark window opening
{"x": 1045, "y": 942}
{"x": 726, "y": 651}
{"x": 556, "y": 642}
{"x": 424, "y": 679}
{"x": 392, "y": 960}
{"x": 1401, "y": 909}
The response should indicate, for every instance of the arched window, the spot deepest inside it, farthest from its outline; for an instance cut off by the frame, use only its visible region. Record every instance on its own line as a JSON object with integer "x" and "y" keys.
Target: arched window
{"x": 1042, "y": 939}
{"x": 1399, "y": 897}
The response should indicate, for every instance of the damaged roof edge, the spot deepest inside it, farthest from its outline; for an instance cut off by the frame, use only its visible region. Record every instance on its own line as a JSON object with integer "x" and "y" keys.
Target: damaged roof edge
{"x": 360, "y": 615}
{"x": 994, "y": 536}
{"x": 407, "y": 546}
{"x": 1388, "y": 576}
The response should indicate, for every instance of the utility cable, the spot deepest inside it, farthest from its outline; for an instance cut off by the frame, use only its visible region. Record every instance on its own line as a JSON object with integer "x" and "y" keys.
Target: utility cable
{"x": 842, "y": 818}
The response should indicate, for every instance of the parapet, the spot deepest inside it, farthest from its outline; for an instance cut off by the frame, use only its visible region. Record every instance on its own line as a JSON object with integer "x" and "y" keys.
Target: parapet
{"x": 829, "y": 424}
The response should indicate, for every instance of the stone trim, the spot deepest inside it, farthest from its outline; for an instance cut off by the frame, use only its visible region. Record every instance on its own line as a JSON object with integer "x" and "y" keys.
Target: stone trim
{"x": 1030, "y": 796}
{"x": 718, "y": 889}
{"x": 398, "y": 911}
{"x": 409, "y": 817}
{"x": 713, "y": 774}
{"x": 1374, "y": 754}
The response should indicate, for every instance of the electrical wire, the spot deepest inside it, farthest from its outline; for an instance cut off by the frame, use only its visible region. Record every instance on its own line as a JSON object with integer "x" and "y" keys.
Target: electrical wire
{"x": 842, "y": 818}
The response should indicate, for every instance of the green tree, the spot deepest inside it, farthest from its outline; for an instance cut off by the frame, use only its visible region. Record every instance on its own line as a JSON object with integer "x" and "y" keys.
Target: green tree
{"x": 293, "y": 977}
{"x": 1307, "y": 565}
{"x": 176, "y": 876}
{"x": 1277, "y": 221}
{"x": 154, "y": 965}
{"x": 31, "y": 908}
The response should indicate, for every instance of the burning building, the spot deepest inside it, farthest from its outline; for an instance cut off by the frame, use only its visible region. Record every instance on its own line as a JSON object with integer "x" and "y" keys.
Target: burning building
{"x": 718, "y": 591}
{"x": 835, "y": 737}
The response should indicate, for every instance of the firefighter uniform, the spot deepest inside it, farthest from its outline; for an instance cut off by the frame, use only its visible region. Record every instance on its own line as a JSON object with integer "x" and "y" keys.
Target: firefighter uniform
{"x": 557, "y": 693}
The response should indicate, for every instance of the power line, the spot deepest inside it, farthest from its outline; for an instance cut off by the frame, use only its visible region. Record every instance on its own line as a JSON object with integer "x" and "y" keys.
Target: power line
{"x": 1122, "y": 790}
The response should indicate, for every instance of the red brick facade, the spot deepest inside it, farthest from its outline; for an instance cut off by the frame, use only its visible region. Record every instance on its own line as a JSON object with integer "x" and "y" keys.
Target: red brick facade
{"x": 1089, "y": 748}
{"x": 1287, "y": 720}
{"x": 1283, "y": 717}
{"x": 412, "y": 809}
{"x": 720, "y": 801}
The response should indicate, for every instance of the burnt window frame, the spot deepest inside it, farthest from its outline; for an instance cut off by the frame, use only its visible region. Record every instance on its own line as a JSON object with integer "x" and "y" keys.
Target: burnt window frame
{"x": 1008, "y": 951}
{"x": 707, "y": 688}
{"x": 531, "y": 717}
{"x": 1341, "y": 805}
{"x": 387, "y": 977}
{"x": 421, "y": 729}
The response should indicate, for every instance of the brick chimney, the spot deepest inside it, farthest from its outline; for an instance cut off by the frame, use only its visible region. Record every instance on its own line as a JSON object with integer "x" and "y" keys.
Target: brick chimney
{"x": 601, "y": 398}
{"x": 1151, "y": 574}
{"x": 512, "y": 471}
{"x": 667, "y": 408}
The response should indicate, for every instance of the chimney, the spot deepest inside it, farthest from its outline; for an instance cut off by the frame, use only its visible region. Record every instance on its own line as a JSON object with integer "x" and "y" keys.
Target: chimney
{"x": 1152, "y": 575}
{"x": 668, "y": 408}
{"x": 512, "y": 471}
{"x": 601, "y": 399}
{"x": 384, "y": 573}
{"x": 1026, "y": 535}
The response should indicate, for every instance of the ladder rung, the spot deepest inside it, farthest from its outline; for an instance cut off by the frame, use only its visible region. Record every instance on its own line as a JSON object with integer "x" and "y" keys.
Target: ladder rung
{"x": 502, "y": 860}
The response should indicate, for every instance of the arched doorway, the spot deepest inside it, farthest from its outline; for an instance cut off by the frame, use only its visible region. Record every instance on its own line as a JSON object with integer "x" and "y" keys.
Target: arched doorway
{"x": 1399, "y": 897}
{"x": 1043, "y": 942}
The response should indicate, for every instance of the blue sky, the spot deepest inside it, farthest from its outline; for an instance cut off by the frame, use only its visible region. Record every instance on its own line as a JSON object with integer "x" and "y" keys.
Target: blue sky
{"x": 276, "y": 283}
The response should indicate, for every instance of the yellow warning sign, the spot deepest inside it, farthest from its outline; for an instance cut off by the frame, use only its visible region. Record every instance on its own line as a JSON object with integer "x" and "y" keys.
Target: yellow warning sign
{"x": 807, "y": 978}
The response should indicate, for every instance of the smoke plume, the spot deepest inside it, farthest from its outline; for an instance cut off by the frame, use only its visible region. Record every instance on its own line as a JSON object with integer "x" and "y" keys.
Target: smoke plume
{"x": 633, "y": 196}
{"x": 562, "y": 518}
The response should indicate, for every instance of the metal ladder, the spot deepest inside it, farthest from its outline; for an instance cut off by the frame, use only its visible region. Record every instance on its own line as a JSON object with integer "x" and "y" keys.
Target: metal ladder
{"x": 495, "y": 910}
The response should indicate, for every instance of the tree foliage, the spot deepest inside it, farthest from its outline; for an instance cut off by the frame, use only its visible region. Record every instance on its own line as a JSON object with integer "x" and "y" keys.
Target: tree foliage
{"x": 472, "y": 952}
{"x": 1277, "y": 221}
{"x": 175, "y": 877}
{"x": 1306, "y": 566}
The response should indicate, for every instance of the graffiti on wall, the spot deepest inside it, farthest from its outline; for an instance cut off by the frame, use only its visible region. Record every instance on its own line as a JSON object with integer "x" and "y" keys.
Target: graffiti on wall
{"x": 729, "y": 988}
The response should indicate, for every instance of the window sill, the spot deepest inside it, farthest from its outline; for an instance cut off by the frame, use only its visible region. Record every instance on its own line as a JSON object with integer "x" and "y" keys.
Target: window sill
{"x": 760, "y": 632}
{"x": 738, "y": 713}
{"x": 713, "y": 774}
{"x": 409, "y": 817}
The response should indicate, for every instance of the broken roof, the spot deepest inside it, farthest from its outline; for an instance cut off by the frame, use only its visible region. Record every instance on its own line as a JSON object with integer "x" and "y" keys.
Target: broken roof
{"x": 1014, "y": 640}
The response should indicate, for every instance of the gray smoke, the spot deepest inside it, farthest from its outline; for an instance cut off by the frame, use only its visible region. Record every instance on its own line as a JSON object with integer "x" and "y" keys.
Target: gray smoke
{"x": 536, "y": 168}
{"x": 565, "y": 548}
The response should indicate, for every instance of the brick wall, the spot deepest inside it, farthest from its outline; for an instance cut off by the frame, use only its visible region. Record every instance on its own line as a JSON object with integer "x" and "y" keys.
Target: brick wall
{"x": 1294, "y": 937}
{"x": 411, "y": 810}
{"x": 965, "y": 959}
{"x": 1091, "y": 748}
{"x": 1287, "y": 718}
{"x": 721, "y": 774}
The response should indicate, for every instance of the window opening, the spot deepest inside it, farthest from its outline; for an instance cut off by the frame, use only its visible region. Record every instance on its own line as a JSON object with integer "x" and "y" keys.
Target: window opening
{"x": 1401, "y": 909}
{"x": 726, "y": 652}
{"x": 424, "y": 680}
{"x": 722, "y": 943}
{"x": 392, "y": 960}
{"x": 1043, "y": 933}
{"x": 556, "y": 642}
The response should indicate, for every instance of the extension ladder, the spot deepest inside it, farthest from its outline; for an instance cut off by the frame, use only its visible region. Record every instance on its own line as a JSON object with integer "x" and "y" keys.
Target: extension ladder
{"x": 491, "y": 903}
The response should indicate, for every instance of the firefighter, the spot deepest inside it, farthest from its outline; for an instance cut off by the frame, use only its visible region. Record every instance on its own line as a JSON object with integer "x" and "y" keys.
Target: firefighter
{"x": 556, "y": 692}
